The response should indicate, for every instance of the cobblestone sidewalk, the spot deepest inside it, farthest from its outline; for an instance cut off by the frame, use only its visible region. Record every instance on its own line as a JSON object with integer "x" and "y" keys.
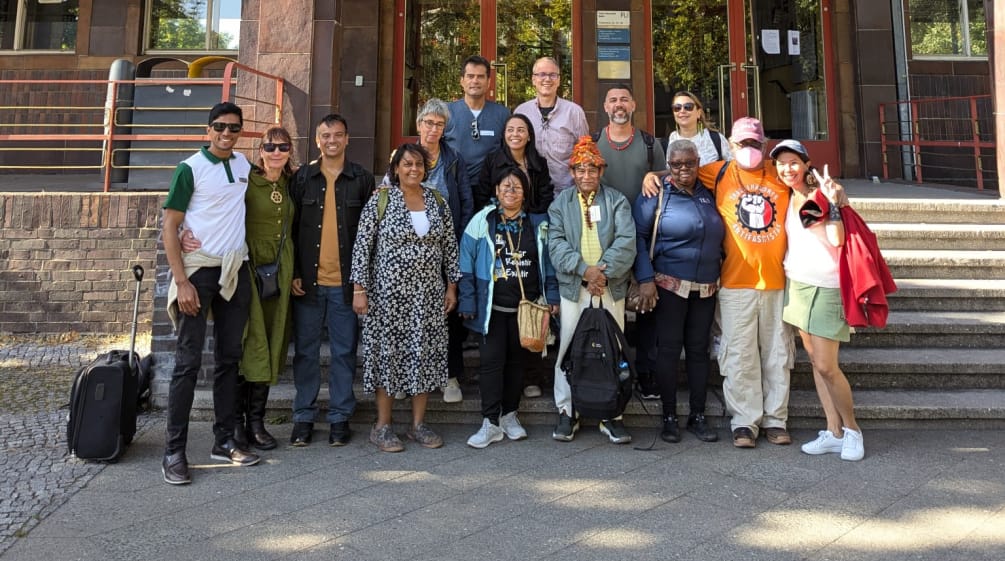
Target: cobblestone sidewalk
{"x": 36, "y": 474}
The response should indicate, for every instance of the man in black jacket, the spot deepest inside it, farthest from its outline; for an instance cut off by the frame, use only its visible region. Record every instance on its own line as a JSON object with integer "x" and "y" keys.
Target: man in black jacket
{"x": 329, "y": 194}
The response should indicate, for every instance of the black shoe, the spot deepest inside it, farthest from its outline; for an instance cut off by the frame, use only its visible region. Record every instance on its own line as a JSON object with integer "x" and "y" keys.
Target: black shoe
{"x": 615, "y": 430}
{"x": 698, "y": 426}
{"x": 340, "y": 433}
{"x": 175, "y": 469}
{"x": 302, "y": 434}
{"x": 241, "y": 434}
{"x": 671, "y": 432}
{"x": 259, "y": 437}
{"x": 648, "y": 387}
{"x": 566, "y": 428}
{"x": 230, "y": 452}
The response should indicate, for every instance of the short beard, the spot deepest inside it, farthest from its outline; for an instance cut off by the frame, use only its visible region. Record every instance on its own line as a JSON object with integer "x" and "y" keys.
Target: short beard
{"x": 617, "y": 119}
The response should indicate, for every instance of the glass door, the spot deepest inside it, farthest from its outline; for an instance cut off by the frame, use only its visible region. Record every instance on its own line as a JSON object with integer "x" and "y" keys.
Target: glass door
{"x": 770, "y": 59}
{"x": 435, "y": 36}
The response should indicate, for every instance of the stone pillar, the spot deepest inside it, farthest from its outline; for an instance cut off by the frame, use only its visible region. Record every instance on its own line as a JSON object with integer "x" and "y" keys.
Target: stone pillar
{"x": 278, "y": 38}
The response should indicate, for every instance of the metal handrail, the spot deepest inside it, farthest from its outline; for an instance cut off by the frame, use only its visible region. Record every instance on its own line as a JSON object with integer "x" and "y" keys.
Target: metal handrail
{"x": 111, "y": 124}
{"x": 956, "y": 131}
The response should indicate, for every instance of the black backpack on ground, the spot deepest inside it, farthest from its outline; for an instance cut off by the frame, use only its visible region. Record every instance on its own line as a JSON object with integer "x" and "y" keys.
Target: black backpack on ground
{"x": 597, "y": 367}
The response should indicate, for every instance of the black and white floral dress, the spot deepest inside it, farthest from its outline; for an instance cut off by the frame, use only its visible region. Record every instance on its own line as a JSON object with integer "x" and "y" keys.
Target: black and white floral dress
{"x": 405, "y": 276}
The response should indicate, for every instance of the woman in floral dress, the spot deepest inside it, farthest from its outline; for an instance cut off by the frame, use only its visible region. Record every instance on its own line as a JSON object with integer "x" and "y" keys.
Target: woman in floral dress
{"x": 404, "y": 267}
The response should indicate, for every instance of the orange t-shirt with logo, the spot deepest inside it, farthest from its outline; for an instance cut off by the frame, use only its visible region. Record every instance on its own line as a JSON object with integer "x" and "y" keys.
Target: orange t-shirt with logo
{"x": 753, "y": 205}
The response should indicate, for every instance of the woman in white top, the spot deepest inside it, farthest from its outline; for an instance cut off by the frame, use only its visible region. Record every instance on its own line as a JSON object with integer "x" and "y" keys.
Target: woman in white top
{"x": 813, "y": 298}
{"x": 693, "y": 125}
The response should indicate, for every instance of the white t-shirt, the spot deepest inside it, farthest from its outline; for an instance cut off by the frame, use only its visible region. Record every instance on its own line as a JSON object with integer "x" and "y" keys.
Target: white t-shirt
{"x": 810, "y": 258}
{"x": 706, "y": 146}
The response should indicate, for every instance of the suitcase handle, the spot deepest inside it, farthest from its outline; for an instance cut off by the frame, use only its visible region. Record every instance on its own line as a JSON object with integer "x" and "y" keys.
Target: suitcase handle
{"x": 138, "y": 272}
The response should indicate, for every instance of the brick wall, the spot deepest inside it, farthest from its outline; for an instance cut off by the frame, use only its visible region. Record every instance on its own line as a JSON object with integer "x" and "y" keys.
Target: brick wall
{"x": 65, "y": 260}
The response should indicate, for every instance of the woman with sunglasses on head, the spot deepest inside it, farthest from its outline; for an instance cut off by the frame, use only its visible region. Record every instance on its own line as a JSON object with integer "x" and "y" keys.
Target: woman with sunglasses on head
{"x": 504, "y": 259}
{"x": 813, "y": 297}
{"x": 268, "y": 219}
{"x": 678, "y": 270}
{"x": 694, "y": 125}
{"x": 517, "y": 150}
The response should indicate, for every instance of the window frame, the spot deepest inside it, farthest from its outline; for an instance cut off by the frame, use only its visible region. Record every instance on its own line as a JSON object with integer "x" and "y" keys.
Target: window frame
{"x": 20, "y": 23}
{"x": 964, "y": 23}
{"x": 147, "y": 28}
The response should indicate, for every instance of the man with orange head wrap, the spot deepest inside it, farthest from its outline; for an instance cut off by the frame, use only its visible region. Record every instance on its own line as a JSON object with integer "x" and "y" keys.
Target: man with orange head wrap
{"x": 591, "y": 242}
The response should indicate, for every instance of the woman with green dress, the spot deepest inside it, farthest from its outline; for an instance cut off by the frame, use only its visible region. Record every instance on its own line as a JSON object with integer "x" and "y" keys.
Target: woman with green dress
{"x": 268, "y": 218}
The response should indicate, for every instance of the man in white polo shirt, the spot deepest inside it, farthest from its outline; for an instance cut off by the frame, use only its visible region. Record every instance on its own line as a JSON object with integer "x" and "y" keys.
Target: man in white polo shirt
{"x": 207, "y": 197}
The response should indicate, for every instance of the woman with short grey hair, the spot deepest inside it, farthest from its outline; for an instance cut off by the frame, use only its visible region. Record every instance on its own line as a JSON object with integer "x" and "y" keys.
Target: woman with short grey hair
{"x": 448, "y": 175}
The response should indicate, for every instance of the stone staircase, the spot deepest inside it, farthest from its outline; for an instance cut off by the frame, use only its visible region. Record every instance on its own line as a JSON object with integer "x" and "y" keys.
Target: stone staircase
{"x": 939, "y": 362}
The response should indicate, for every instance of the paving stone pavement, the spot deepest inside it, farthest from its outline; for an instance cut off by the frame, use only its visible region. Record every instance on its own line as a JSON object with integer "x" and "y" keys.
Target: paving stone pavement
{"x": 36, "y": 475}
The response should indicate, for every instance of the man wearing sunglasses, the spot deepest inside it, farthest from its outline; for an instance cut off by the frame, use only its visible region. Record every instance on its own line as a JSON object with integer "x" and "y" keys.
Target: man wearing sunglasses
{"x": 207, "y": 198}
{"x": 329, "y": 194}
{"x": 475, "y": 127}
{"x": 558, "y": 123}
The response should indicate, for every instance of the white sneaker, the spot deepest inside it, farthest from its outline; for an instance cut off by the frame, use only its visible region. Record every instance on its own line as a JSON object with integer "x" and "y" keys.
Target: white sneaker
{"x": 452, "y": 392}
{"x": 512, "y": 427}
{"x": 532, "y": 391}
{"x": 486, "y": 435}
{"x": 826, "y": 443}
{"x": 853, "y": 448}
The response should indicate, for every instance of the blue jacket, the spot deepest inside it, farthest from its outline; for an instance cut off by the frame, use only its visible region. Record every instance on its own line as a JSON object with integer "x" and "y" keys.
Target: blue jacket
{"x": 616, "y": 231}
{"x": 689, "y": 239}
{"x": 478, "y": 261}
{"x": 460, "y": 197}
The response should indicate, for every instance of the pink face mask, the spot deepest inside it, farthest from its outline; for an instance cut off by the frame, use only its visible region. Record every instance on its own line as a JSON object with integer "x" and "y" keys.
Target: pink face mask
{"x": 749, "y": 158}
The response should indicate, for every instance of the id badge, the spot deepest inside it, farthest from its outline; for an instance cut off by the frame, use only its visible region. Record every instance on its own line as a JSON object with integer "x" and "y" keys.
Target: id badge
{"x": 595, "y": 213}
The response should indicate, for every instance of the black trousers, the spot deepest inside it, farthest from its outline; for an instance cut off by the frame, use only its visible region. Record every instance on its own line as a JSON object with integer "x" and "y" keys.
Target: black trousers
{"x": 229, "y": 319}
{"x": 683, "y": 323}
{"x": 501, "y": 374}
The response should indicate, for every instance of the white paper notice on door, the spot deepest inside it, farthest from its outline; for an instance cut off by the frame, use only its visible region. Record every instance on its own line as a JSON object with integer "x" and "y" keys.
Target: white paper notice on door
{"x": 794, "y": 42}
{"x": 769, "y": 41}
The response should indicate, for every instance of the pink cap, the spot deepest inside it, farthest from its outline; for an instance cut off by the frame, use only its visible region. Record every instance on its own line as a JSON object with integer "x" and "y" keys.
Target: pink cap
{"x": 747, "y": 128}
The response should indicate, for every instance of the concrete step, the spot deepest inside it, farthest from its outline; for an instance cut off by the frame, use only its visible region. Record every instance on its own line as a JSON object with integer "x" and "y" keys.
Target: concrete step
{"x": 936, "y": 329}
{"x": 912, "y": 368}
{"x": 939, "y": 236}
{"x": 947, "y": 264}
{"x": 930, "y": 211}
{"x": 949, "y": 295}
{"x": 886, "y": 408}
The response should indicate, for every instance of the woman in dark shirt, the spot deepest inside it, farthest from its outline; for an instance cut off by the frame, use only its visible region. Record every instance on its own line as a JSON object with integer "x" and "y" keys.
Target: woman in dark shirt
{"x": 502, "y": 248}
{"x": 517, "y": 151}
{"x": 677, "y": 282}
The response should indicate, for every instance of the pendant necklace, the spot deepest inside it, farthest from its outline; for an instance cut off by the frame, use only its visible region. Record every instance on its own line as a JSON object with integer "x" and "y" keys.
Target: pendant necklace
{"x": 277, "y": 195}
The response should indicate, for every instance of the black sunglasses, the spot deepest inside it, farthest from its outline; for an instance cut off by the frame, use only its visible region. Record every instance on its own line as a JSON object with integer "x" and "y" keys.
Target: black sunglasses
{"x": 685, "y": 106}
{"x": 475, "y": 135}
{"x": 688, "y": 164}
{"x": 220, "y": 127}
{"x": 272, "y": 147}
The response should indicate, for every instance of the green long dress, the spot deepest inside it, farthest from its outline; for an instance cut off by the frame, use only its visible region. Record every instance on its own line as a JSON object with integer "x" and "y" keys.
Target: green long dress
{"x": 270, "y": 322}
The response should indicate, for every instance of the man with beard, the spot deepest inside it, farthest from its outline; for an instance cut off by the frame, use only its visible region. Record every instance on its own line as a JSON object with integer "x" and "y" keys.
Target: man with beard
{"x": 630, "y": 153}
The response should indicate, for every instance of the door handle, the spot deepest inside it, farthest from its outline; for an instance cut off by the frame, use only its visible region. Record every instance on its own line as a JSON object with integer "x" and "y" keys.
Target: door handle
{"x": 502, "y": 76}
{"x": 723, "y": 69}
{"x": 756, "y": 71}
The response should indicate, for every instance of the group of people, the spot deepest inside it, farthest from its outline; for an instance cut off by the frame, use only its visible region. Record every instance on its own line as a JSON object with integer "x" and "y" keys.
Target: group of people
{"x": 486, "y": 210}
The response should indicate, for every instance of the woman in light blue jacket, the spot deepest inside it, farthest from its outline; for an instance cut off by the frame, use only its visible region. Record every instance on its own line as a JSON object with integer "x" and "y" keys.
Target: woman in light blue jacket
{"x": 503, "y": 242}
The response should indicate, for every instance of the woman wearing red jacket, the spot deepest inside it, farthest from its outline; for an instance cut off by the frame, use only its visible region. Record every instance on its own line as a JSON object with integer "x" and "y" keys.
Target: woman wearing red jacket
{"x": 813, "y": 299}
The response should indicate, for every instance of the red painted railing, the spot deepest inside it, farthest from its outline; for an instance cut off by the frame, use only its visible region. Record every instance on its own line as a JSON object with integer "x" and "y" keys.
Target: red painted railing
{"x": 944, "y": 140}
{"x": 80, "y": 131}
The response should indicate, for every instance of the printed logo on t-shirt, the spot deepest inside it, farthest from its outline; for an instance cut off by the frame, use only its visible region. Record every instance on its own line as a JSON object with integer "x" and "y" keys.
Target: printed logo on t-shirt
{"x": 756, "y": 214}
{"x": 506, "y": 260}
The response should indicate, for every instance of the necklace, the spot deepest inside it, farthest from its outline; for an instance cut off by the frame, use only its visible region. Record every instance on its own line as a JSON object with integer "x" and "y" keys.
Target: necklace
{"x": 277, "y": 195}
{"x": 739, "y": 181}
{"x": 615, "y": 145}
{"x": 587, "y": 203}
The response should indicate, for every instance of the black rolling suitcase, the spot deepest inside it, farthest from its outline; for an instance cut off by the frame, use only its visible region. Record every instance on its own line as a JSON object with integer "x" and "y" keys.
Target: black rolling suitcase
{"x": 102, "y": 418}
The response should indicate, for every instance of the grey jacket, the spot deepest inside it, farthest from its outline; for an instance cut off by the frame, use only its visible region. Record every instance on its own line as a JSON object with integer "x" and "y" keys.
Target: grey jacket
{"x": 616, "y": 231}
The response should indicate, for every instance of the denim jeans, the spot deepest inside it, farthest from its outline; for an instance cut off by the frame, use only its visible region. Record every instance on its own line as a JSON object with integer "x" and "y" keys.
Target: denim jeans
{"x": 325, "y": 308}
{"x": 229, "y": 319}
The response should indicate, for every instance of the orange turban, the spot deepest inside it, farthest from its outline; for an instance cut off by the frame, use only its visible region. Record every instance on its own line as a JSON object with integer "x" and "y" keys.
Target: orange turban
{"x": 586, "y": 152}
